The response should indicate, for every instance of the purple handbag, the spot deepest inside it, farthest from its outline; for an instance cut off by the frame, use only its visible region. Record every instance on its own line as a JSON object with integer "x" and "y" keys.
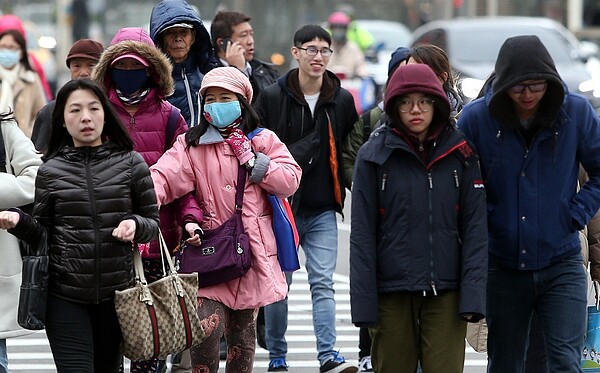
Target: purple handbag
{"x": 224, "y": 253}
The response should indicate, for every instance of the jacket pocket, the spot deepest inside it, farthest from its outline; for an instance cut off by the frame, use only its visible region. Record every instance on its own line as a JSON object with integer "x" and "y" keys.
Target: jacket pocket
{"x": 267, "y": 237}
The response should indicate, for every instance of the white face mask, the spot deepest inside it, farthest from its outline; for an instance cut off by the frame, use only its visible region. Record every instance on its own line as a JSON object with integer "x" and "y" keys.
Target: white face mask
{"x": 9, "y": 57}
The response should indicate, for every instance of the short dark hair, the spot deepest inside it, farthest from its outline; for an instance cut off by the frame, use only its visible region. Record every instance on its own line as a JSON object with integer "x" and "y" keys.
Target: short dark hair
{"x": 19, "y": 39}
{"x": 223, "y": 23}
{"x": 307, "y": 33}
{"x": 250, "y": 121}
{"x": 113, "y": 127}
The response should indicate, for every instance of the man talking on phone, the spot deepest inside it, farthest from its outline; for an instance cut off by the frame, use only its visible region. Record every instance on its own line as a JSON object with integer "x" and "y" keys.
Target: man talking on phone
{"x": 233, "y": 39}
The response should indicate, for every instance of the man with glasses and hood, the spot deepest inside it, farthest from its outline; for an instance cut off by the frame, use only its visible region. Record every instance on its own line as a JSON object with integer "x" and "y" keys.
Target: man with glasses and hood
{"x": 532, "y": 134}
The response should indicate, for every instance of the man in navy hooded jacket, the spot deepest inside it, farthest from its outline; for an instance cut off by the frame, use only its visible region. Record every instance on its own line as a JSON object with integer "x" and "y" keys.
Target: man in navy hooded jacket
{"x": 531, "y": 135}
{"x": 176, "y": 28}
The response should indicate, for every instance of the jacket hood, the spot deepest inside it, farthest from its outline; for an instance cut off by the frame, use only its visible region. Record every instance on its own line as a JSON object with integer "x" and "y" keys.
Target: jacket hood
{"x": 132, "y": 33}
{"x": 170, "y": 12}
{"x": 417, "y": 78}
{"x": 160, "y": 66}
{"x": 525, "y": 58}
{"x": 289, "y": 83}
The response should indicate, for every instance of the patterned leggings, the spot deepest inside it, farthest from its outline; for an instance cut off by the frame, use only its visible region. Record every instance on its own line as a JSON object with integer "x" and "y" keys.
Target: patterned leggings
{"x": 239, "y": 327}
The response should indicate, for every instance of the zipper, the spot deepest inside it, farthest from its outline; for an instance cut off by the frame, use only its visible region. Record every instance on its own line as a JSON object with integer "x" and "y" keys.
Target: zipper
{"x": 383, "y": 180}
{"x": 90, "y": 187}
{"x": 188, "y": 93}
{"x": 430, "y": 205}
{"x": 456, "y": 178}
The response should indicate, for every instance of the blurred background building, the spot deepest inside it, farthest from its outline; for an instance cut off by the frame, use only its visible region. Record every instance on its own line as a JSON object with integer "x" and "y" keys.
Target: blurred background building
{"x": 54, "y": 25}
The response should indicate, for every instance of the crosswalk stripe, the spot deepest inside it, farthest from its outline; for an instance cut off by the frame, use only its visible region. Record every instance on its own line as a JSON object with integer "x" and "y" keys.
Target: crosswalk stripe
{"x": 31, "y": 353}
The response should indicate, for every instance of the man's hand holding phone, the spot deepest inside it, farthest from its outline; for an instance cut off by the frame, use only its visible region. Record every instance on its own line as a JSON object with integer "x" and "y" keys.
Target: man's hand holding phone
{"x": 234, "y": 53}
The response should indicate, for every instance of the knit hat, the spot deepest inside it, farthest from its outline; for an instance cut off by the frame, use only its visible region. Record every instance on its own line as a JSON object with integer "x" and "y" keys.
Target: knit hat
{"x": 229, "y": 78}
{"x": 85, "y": 48}
{"x": 12, "y": 22}
{"x": 416, "y": 78}
{"x": 398, "y": 56}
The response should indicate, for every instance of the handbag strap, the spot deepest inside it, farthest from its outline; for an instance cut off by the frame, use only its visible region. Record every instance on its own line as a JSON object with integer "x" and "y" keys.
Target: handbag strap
{"x": 165, "y": 257}
{"x": 239, "y": 190}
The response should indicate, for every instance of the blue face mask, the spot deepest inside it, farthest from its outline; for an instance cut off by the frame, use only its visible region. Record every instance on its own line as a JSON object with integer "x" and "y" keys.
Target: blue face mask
{"x": 129, "y": 81}
{"x": 222, "y": 114}
{"x": 9, "y": 57}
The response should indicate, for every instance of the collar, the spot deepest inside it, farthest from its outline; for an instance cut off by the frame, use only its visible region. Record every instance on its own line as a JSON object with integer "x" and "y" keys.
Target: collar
{"x": 248, "y": 68}
{"x": 211, "y": 136}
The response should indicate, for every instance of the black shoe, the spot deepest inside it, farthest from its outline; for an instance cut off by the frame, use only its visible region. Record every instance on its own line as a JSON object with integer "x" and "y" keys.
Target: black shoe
{"x": 338, "y": 365}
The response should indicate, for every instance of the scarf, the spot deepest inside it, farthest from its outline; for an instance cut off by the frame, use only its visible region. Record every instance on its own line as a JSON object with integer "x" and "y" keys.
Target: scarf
{"x": 133, "y": 99}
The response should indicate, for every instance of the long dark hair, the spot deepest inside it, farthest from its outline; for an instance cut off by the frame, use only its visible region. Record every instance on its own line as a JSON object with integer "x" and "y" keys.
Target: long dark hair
{"x": 19, "y": 39}
{"x": 113, "y": 128}
{"x": 250, "y": 121}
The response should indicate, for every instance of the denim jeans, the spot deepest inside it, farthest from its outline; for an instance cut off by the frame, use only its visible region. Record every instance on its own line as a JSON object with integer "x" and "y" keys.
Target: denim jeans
{"x": 276, "y": 320}
{"x": 557, "y": 294}
{"x": 318, "y": 238}
{"x": 3, "y": 357}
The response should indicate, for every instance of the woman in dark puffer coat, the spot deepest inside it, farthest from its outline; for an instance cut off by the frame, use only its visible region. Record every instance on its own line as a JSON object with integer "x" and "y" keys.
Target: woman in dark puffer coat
{"x": 94, "y": 196}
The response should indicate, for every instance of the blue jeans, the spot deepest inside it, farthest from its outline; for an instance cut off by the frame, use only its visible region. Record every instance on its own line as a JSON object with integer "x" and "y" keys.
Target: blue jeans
{"x": 318, "y": 238}
{"x": 3, "y": 357}
{"x": 557, "y": 294}
{"x": 276, "y": 320}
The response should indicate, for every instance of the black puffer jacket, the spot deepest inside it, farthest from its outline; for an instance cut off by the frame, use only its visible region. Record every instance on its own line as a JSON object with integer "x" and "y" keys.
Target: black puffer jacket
{"x": 82, "y": 194}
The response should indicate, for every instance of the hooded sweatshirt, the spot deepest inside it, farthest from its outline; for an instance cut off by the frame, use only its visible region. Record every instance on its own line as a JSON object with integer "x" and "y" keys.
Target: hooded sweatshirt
{"x": 538, "y": 65}
{"x": 534, "y": 208}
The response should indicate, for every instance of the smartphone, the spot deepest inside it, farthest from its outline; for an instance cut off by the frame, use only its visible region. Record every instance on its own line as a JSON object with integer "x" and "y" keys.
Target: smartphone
{"x": 224, "y": 43}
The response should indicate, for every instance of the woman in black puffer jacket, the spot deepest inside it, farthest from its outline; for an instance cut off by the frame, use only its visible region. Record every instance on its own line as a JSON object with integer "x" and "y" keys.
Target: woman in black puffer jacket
{"x": 94, "y": 196}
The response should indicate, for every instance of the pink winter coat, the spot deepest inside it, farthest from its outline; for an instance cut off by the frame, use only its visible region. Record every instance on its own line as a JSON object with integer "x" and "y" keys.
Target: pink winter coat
{"x": 148, "y": 125}
{"x": 210, "y": 169}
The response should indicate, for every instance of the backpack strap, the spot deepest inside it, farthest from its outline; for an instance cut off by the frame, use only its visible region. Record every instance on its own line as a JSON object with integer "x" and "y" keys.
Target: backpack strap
{"x": 2, "y": 152}
{"x": 171, "y": 126}
{"x": 254, "y": 132}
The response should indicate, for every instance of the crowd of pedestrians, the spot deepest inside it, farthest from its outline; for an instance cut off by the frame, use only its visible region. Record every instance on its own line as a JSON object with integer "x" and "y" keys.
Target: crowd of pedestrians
{"x": 460, "y": 213}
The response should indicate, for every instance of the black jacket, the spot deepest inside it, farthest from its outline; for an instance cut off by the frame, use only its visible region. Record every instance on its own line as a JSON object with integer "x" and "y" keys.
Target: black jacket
{"x": 41, "y": 127}
{"x": 283, "y": 109}
{"x": 417, "y": 226}
{"x": 263, "y": 75}
{"x": 82, "y": 194}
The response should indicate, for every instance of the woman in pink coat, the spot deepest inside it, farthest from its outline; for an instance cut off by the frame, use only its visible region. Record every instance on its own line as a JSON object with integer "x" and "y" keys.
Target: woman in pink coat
{"x": 206, "y": 160}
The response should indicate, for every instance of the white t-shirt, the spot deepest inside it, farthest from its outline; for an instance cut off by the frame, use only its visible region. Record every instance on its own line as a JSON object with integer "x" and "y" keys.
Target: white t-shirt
{"x": 312, "y": 101}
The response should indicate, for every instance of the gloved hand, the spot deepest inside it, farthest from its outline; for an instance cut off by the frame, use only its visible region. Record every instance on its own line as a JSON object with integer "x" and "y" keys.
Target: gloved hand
{"x": 240, "y": 145}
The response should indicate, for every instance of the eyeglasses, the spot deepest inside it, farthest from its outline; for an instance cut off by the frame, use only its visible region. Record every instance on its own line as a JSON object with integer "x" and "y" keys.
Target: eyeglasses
{"x": 312, "y": 51}
{"x": 424, "y": 104}
{"x": 533, "y": 87}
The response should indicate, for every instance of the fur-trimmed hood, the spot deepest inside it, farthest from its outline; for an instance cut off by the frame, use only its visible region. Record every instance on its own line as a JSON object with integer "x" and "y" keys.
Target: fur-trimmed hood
{"x": 160, "y": 65}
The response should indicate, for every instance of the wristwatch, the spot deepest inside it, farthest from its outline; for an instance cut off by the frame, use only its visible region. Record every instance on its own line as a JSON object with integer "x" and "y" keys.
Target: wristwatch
{"x": 250, "y": 164}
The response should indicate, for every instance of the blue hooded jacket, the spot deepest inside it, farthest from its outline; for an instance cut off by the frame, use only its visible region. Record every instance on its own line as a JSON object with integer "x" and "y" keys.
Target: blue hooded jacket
{"x": 201, "y": 59}
{"x": 534, "y": 208}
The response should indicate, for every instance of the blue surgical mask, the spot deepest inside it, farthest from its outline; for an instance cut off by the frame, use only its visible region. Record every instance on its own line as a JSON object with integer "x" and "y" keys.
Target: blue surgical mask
{"x": 222, "y": 114}
{"x": 129, "y": 81}
{"x": 9, "y": 57}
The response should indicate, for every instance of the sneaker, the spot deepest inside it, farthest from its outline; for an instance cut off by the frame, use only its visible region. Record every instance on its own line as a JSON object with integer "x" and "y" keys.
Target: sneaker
{"x": 364, "y": 365}
{"x": 338, "y": 365}
{"x": 278, "y": 365}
